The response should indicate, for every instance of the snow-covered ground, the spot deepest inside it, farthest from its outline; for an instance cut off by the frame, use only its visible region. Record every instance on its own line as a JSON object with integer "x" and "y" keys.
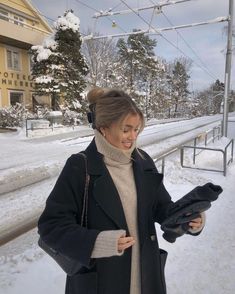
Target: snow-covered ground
{"x": 195, "y": 265}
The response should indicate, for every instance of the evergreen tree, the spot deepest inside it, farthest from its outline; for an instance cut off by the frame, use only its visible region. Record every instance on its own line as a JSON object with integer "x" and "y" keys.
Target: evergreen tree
{"x": 135, "y": 55}
{"x": 178, "y": 81}
{"x": 59, "y": 68}
{"x": 208, "y": 101}
{"x": 141, "y": 68}
{"x": 217, "y": 97}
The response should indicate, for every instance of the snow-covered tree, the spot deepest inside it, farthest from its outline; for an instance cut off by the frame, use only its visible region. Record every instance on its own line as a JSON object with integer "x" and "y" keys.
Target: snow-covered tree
{"x": 218, "y": 94}
{"x": 59, "y": 67}
{"x": 178, "y": 82}
{"x": 101, "y": 57}
{"x": 208, "y": 101}
{"x": 140, "y": 67}
{"x": 160, "y": 98}
{"x": 136, "y": 55}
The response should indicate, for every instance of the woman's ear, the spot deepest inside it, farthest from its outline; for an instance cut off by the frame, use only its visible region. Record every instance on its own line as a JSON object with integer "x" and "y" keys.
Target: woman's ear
{"x": 102, "y": 130}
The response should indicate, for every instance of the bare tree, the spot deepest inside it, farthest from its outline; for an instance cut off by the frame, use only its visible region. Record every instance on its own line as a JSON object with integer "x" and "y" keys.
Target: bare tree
{"x": 100, "y": 56}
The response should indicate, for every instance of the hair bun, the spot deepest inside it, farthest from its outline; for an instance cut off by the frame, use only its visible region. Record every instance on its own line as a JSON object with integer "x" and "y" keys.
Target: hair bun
{"x": 94, "y": 94}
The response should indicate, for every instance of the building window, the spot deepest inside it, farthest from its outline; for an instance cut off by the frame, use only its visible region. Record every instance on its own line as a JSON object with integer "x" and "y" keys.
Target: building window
{"x": 4, "y": 15}
{"x": 13, "y": 18}
{"x": 18, "y": 20}
{"x": 16, "y": 97}
{"x": 13, "y": 59}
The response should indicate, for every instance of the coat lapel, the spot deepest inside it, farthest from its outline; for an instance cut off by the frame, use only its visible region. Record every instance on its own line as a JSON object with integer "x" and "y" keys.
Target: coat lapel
{"x": 147, "y": 181}
{"x": 104, "y": 190}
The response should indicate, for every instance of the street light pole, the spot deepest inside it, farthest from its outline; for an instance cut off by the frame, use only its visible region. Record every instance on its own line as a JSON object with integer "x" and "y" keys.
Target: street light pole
{"x": 227, "y": 76}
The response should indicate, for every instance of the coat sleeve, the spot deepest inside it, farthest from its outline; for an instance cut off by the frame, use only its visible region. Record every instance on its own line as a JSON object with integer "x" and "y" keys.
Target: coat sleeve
{"x": 58, "y": 225}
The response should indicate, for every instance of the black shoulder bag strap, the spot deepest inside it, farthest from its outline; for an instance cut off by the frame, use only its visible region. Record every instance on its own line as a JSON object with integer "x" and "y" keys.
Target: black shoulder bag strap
{"x": 84, "y": 218}
{"x": 70, "y": 266}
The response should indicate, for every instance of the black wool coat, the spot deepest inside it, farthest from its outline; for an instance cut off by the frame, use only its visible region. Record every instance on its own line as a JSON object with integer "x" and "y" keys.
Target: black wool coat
{"x": 58, "y": 224}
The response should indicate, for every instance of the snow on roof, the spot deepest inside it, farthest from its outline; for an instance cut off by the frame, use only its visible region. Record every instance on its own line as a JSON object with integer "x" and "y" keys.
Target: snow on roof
{"x": 69, "y": 21}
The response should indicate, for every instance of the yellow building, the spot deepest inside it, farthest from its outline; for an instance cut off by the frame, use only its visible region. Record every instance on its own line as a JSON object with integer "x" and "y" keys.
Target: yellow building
{"x": 21, "y": 26}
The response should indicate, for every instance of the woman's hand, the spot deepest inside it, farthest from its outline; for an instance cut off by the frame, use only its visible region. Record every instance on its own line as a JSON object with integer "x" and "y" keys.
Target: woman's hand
{"x": 196, "y": 223}
{"x": 125, "y": 242}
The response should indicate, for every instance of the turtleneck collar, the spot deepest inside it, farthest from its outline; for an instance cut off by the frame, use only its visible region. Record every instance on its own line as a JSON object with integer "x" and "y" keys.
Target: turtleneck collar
{"x": 112, "y": 152}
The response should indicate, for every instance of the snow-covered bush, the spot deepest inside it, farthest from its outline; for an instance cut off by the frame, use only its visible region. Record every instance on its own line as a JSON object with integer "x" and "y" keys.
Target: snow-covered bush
{"x": 41, "y": 111}
{"x": 71, "y": 117}
{"x": 13, "y": 116}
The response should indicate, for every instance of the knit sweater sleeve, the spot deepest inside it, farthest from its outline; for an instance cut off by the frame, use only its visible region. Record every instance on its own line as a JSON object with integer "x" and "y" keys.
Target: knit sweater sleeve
{"x": 106, "y": 244}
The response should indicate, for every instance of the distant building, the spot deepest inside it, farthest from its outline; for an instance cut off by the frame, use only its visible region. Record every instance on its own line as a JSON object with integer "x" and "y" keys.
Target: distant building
{"x": 21, "y": 26}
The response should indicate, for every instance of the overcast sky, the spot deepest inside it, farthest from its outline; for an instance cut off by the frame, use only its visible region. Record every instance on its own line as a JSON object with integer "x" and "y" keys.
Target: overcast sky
{"x": 205, "y": 45}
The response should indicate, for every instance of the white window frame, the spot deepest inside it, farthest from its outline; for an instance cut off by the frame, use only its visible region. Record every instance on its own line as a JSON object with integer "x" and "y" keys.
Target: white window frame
{"x": 16, "y": 91}
{"x": 4, "y": 14}
{"x": 13, "y": 50}
{"x": 18, "y": 20}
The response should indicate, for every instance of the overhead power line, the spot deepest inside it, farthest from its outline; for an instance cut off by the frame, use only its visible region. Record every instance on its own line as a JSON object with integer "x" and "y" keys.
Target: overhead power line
{"x": 187, "y": 44}
{"x": 155, "y": 6}
{"x": 96, "y": 10}
{"x": 158, "y": 31}
{"x": 155, "y": 31}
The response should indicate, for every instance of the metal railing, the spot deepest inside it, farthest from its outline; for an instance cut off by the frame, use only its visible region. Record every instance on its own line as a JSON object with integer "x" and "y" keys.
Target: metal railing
{"x": 201, "y": 148}
{"x": 206, "y": 137}
{"x": 163, "y": 156}
{"x": 52, "y": 124}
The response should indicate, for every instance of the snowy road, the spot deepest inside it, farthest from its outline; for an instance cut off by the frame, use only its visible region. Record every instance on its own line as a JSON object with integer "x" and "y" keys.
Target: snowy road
{"x": 19, "y": 152}
{"x": 24, "y": 162}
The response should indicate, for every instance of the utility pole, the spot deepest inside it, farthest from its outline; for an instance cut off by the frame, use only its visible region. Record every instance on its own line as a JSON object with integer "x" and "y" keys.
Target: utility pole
{"x": 227, "y": 76}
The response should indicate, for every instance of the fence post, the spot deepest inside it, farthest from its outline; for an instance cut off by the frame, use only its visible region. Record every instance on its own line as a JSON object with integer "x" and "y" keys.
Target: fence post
{"x": 163, "y": 165}
{"x": 225, "y": 161}
{"x": 182, "y": 156}
{"x": 26, "y": 126}
{"x": 205, "y": 139}
{"x": 194, "y": 150}
{"x": 232, "y": 150}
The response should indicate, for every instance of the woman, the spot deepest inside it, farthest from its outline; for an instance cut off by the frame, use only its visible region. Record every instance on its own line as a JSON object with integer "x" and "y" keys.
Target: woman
{"x": 119, "y": 249}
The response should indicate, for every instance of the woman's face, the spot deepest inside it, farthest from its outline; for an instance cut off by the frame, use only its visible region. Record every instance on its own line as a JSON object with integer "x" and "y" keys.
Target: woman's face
{"x": 123, "y": 135}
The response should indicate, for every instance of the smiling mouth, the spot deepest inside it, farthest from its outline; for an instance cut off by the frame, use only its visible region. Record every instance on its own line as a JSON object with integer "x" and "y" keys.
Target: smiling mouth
{"x": 127, "y": 144}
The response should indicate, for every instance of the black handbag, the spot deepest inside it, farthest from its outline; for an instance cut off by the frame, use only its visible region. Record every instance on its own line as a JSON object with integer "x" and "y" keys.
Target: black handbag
{"x": 69, "y": 265}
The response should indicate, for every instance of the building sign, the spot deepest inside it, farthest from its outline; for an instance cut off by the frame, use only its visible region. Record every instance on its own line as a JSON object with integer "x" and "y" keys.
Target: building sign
{"x": 16, "y": 80}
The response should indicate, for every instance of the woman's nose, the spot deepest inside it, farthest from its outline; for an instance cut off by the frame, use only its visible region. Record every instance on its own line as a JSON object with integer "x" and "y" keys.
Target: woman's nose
{"x": 133, "y": 135}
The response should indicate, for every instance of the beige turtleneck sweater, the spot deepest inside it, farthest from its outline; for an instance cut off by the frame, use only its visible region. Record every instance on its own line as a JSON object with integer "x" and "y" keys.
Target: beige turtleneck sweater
{"x": 119, "y": 165}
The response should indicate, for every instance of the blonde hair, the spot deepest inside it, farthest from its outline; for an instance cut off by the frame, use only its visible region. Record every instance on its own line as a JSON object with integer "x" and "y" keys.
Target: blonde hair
{"x": 111, "y": 105}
